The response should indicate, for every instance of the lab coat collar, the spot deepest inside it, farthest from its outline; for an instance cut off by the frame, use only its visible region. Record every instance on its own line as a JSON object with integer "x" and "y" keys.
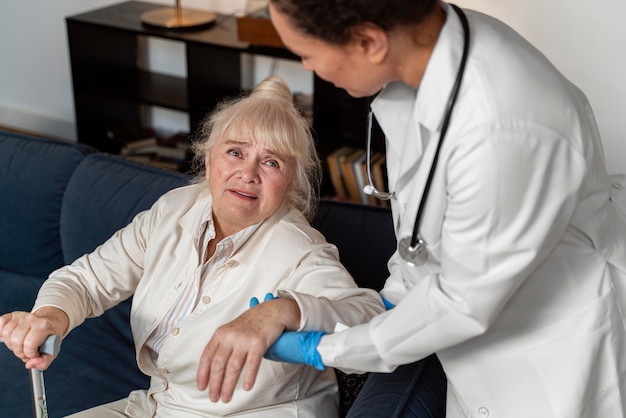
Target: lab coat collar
{"x": 394, "y": 111}
{"x": 413, "y": 129}
{"x": 436, "y": 84}
{"x": 441, "y": 72}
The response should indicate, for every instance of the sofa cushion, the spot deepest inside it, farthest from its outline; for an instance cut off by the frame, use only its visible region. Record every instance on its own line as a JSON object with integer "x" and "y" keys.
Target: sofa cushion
{"x": 104, "y": 195}
{"x": 33, "y": 175}
{"x": 18, "y": 291}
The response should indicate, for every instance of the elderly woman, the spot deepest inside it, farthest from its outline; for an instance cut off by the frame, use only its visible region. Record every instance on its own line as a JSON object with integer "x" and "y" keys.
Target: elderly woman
{"x": 197, "y": 257}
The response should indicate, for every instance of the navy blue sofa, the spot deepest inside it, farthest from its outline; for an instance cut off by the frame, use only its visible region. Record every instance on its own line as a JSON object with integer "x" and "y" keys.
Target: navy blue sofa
{"x": 60, "y": 200}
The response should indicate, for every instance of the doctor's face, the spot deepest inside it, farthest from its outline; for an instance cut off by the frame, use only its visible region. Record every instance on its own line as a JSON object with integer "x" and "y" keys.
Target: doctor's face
{"x": 343, "y": 65}
{"x": 248, "y": 182}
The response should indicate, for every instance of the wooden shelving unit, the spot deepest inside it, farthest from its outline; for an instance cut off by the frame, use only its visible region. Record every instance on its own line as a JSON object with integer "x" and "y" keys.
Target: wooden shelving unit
{"x": 110, "y": 88}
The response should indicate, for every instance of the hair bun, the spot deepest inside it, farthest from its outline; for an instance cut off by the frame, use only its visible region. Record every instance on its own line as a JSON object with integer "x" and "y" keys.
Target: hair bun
{"x": 273, "y": 88}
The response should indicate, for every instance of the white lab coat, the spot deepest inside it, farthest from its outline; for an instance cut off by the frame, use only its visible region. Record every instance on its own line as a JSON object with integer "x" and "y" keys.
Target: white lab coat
{"x": 522, "y": 297}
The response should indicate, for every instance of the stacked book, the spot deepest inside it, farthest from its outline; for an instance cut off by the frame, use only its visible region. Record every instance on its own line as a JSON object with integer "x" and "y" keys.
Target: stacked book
{"x": 133, "y": 140}
{"x": 172, "y": 152}
{"x": 348, "y": 173}
{"x": 143, "y": 145}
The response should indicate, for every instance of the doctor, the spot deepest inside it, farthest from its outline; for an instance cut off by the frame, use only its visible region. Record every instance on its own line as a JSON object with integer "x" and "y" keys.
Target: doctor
{"x": 511, "y": 263}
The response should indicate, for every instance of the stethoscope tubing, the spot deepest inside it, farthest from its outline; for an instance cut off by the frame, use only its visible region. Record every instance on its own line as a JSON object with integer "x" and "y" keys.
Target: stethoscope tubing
{"x": 413, "y": 251}
{"x": 446, "y": 123}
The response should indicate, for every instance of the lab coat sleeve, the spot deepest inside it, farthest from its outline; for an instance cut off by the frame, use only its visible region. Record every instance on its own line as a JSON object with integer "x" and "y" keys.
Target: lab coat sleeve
{"x": 508, "y": 203}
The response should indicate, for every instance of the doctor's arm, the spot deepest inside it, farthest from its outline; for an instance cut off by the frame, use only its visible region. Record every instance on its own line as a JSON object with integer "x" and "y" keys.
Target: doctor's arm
{"x": 508, "y": 205}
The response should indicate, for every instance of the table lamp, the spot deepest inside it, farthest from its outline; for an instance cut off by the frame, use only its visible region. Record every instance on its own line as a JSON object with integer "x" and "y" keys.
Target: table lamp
{"x": 177, "y": 17}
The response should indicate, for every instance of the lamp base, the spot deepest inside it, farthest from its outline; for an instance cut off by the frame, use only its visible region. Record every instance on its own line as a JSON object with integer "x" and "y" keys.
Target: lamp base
{"x": 171, "y": 18}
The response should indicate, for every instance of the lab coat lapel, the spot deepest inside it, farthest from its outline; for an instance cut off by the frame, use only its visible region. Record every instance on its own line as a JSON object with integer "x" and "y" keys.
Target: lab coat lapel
{"x": 394, "y": 109}
{"x": 414, "y": 148}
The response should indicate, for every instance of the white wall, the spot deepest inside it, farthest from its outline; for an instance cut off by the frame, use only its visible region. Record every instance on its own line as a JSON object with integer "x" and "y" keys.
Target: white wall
{"x": 583, "y": 38}
{"x": 35, "y": 75}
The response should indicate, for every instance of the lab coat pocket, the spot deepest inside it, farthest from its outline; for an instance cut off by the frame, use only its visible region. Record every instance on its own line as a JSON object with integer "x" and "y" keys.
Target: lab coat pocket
{"x": 580, "y": 361}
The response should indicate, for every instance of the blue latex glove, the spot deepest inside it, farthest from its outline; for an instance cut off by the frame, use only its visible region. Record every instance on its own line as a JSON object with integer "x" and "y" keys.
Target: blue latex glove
{"x": 297, "y": 347}
{"x": 255, "y": 301}
{"x": 388, "y": 305}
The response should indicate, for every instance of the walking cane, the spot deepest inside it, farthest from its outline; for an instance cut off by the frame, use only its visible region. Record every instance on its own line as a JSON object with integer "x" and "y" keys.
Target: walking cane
{"x": 40, "y": 409}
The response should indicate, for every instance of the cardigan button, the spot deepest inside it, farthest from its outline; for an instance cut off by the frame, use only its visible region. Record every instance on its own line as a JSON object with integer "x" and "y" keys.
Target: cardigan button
{"x": 483, "y": 412}
{"x": 206, "y": 299}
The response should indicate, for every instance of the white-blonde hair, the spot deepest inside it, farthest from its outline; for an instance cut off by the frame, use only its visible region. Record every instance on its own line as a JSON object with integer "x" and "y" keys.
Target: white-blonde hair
{"x": 270, "y": 116}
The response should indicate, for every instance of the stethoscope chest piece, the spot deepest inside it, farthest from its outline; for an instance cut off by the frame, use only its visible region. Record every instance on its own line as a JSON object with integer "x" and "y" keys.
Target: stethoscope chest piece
{"x": 414, "y": 255}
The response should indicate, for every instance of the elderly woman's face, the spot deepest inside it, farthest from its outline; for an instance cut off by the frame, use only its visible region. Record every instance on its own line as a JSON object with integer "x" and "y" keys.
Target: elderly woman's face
{"x": 248, "y": 182}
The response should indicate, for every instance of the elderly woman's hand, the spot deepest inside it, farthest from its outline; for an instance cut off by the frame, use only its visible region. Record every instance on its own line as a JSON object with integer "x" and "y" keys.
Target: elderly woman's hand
{"x": 24, "y": 332}
{"x": 242, "y": 343}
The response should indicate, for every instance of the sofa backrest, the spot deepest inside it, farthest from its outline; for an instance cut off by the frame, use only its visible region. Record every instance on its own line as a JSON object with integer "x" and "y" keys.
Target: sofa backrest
{"x": 93, "y": 195}
{"x": 33, "y": 175}
{"x": 104, "y": 194}
{"x": 364, "y": 236}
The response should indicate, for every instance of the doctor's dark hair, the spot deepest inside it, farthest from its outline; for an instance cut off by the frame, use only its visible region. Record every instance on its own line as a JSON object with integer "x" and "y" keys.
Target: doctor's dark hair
{"x": 332, "y": 20}
{"x": 270, "y": 116}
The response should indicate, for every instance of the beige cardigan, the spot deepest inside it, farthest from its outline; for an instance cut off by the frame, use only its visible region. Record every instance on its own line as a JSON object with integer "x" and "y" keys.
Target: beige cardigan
{"x": 153, "y": 256}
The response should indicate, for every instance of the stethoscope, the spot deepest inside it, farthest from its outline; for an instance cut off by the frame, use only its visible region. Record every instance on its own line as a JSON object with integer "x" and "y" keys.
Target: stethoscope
{"x": 413, "y": 249}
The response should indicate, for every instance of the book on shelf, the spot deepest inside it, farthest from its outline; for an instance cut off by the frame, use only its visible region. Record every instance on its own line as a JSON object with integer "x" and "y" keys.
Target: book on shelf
{"x": 335, "y": 161}
{"x": 360, "y": 177}
{"x": 156, "y": 161}
{"x": 138, "y": 145}
{"x": 371, "y": 199}
{"x": 174, "y": 147}
{"x": 348, "y": 173}
{"x": 379, "y": 176}
{"x": 352, "y": 188}
{"x": 141, "y": 146}
{"x": 164, "y": 162}
{"x": 133, "y": 140}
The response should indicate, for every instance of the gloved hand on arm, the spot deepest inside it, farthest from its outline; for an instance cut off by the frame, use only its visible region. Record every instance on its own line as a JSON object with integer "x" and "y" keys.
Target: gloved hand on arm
{"x": 293, "y": 346}
{"x": 254, "y": 301}
{"x": 297, "y": 347}
{"x": 300, "y": 347}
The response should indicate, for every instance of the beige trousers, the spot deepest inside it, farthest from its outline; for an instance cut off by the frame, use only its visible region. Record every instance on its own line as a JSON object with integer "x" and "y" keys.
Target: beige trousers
{"x": 107, "y": 410}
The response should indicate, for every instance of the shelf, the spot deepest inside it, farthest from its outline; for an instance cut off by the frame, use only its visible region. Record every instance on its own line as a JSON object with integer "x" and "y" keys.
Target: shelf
{"x": 223, "y": 34}
{"x": 136, "y": 86}
{"x": 111, "y": 89}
